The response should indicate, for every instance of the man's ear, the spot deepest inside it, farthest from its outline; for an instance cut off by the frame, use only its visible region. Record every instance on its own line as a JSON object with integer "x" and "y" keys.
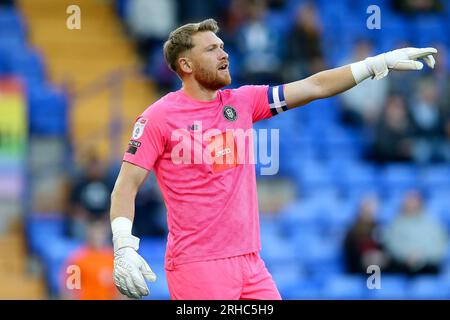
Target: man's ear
{"x": 185, "y": 64}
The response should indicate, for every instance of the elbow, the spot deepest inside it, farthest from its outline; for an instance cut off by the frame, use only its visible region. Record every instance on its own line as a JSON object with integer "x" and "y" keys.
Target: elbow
{"x": 121, "y": 191}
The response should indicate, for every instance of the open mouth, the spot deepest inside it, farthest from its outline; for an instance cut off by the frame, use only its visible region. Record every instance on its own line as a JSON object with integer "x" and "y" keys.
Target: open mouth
{"x": 224, "y": 67}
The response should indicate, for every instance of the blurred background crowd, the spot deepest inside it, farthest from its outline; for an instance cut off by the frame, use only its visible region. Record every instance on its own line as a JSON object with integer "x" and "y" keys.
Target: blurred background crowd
{"x": 364, "y": 178}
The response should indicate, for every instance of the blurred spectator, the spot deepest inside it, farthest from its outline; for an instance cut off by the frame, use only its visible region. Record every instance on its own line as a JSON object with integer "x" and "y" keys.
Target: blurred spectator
{"x": 158, "y": 69}
{"x": 362, "y": 245}
{"x": 417, "y": 6}
{"x": 235, "y": 16}
{"x": 440, "y": 75}
{"x": 259, "y": 46}
{"x": 394, "y": 133}
{"x": 90, "y": 198}
{"x": 428, "y": 119}
{"x": 415, "y": 242}
{"x": 403, "y": 83}
{"x": 197, "y": 10}
{"x": 149, "y": 219}
{"x": 150, "y": 21}
{"x": 441, "y": 80}
{"x": 304, "y": 52}
{"x": 95, "y": 261}
{"x": 6, "y": 2}
{"x": 362, "y": 104}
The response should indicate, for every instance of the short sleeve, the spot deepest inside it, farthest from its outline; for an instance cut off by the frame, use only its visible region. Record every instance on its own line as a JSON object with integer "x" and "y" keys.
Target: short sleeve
{"x": 267, "y": 101}
{"x": 148, "y": 140}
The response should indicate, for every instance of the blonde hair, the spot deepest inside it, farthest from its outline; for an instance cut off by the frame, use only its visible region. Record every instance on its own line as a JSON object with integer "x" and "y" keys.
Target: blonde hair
{"x": 180, "y": 40}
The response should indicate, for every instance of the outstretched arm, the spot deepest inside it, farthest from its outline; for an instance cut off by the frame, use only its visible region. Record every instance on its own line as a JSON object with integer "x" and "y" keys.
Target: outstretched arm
{"x": 334, "y": 81}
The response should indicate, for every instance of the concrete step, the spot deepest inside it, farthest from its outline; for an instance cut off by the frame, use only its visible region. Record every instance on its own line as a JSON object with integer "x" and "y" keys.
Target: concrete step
{"x": 18, "y": 286}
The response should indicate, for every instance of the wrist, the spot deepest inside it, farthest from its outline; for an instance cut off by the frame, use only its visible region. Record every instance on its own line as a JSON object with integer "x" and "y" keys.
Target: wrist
{"x": 361, "y": 71}
{"x": 122, "y": 226}
{"x": 122, "y": 237}
{"x": 377, "y": 66}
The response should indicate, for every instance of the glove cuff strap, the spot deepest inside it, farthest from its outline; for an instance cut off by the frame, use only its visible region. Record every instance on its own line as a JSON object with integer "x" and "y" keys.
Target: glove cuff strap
{"x": 378, "y": 66}
{"x": 126, "y": 241}
{"x": 360, "y": 71}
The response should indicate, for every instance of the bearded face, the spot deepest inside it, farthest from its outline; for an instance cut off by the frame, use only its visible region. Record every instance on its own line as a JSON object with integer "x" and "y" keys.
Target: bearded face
{"x": 209, "y": 61}
{"x": 212, "y": 77}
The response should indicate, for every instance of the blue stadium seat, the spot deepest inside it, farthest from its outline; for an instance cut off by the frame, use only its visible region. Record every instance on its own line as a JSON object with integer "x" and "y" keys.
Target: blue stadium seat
{"x": 48, "y": 109}
{"x": 11, "y": 45}
{"x": 303, "y": 289}
{"x": 11, "y": 23}
{"x": 28, "y": 65}
{"x": 286, "y": 276}
{"x": 429, "y": 30}
{"x": 392, "y": 287}
{"x": 277, "y": 250}
{"x": 438, "y": 206}
{"x": 298, "y": 286}
{"x": 359, "y": 6}
{"x": 314, "y": 176}
{"x": 53, "y": 257}
{"x": 302, "y": 213}
{"x": 399, "y": 177}
{"x": 356, "y": 176}
{"x": 344, "y": 287}
{"x": 435, "y": 177}
{"x": 153, "y": 248}
{"x": 41, "y": 229}
{"x": 389, "y": 208}
{"x": 317, "y": 253}
{"x": 159, "y": 289}
{"x": 428, "y": 287}
{"x": 269, "y": 225}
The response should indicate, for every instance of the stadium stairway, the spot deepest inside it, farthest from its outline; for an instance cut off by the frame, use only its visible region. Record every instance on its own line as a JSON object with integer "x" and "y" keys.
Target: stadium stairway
{"x": 94, "y": 64}
{"x": 16, "y": 282}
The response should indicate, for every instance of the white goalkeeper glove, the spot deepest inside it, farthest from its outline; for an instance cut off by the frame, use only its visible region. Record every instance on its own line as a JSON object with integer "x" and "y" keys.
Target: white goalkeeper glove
{"x": 129, "y": 267}
{"x": 401, "y": 59}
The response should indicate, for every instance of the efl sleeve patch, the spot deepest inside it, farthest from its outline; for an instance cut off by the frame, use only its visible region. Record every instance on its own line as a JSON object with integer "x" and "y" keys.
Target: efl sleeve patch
{"x": 138, "y": 129}
{"x": 276, "y": 100}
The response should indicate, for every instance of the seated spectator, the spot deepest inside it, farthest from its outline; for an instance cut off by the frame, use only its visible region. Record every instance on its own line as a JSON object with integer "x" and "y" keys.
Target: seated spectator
{"x": 428, "y": 119}
{"x": 259, "y": 47}
{"x": 418, "y": 6}
{"x": 362, "y": 246}
{"x": 6, "y": 3}
{"x": 149, "y": 217}
{"x": 234, "y": 16}
{"x": 403, "y": 83}
{"x": 362, "y": 105}
{"x": 415, "y": 242}
{"x": 394, "y": 133}
{"x": 89, "y": 198}
{"x": 150, "y": 21}
{"x": 94, "y": 262}
{"x": 304, "y": 53}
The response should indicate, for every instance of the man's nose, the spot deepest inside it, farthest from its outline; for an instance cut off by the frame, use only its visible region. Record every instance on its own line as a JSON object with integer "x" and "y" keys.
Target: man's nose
{"x": 223, "y": 55}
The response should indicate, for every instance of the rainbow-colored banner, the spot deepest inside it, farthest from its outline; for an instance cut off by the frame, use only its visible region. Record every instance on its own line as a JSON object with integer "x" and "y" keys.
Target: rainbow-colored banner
{"x": 13, "y": 140}
{"x": 13, "y": 118}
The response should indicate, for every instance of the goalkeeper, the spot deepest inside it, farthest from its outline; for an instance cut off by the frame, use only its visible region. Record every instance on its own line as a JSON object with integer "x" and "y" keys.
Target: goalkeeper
{"x": 212, "y": 212}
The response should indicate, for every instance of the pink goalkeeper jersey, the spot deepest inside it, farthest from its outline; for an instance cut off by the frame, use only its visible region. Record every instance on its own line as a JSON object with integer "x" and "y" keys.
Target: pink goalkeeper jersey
{"x": 206, "y": 177}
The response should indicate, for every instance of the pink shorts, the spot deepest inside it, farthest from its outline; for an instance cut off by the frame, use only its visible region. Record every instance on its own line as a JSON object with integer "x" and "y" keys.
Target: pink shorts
{"x": 242, "y": 277}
